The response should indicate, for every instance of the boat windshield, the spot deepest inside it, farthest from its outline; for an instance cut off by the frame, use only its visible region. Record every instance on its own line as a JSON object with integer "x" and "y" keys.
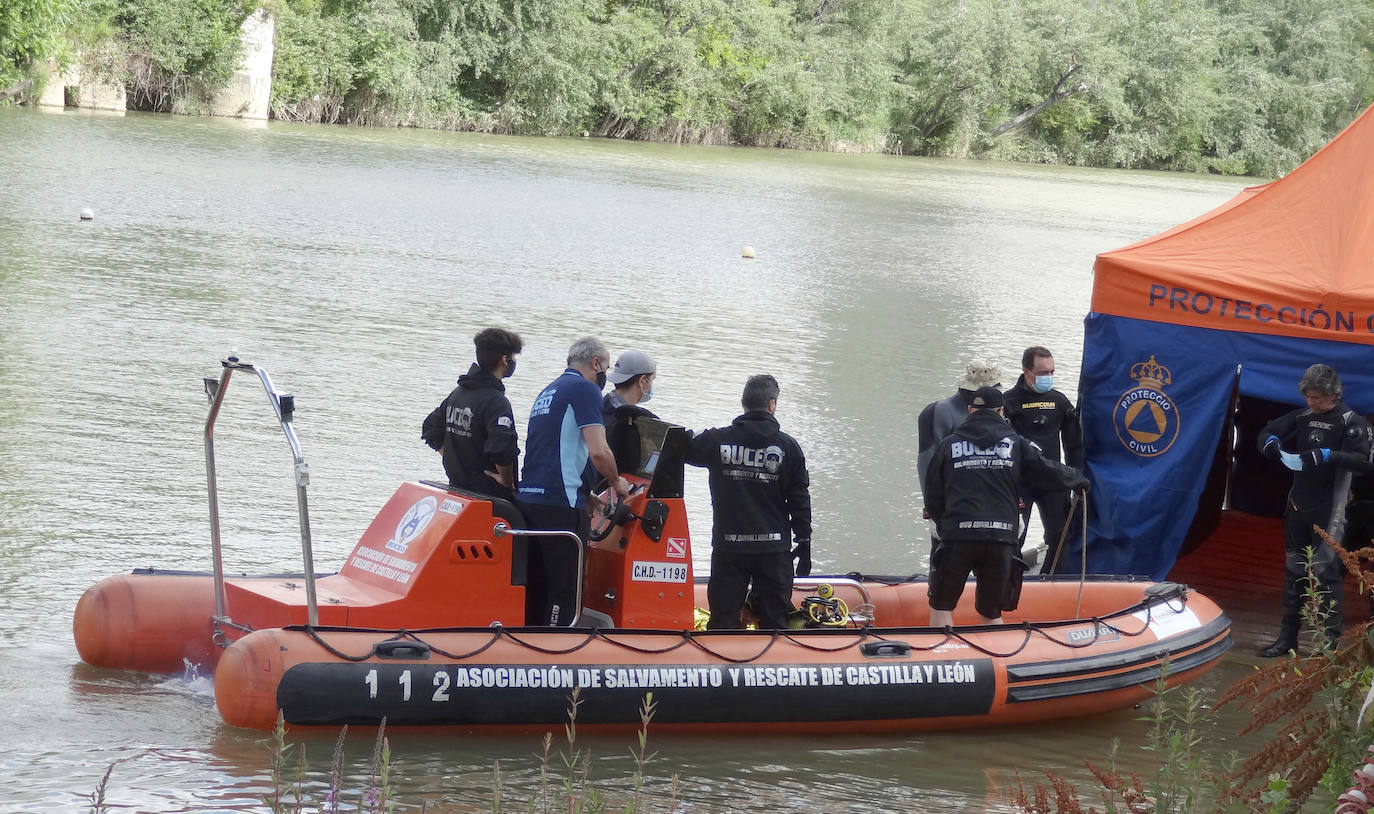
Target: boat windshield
{"x": 662, "y": 447}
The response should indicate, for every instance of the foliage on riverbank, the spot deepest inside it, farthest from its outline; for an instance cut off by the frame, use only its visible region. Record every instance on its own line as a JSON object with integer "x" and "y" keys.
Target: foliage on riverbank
{"x": 1320, "y": 711}
{"x": 1318, "y": 741}
{"x": 1231, "y": 86}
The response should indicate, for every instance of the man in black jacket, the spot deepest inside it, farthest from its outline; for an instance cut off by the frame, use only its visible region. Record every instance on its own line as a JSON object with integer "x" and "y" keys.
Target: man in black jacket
{"x": 1323, "y": 443}
{"x": 761, "y": 505}
{"x": 1042, "y": 415}
{"x": 474, "y": 428}
{"x": 975, "y": 481}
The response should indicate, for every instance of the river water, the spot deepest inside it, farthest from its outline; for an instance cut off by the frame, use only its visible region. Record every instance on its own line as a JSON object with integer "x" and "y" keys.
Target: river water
{"x": 355, "y": 265}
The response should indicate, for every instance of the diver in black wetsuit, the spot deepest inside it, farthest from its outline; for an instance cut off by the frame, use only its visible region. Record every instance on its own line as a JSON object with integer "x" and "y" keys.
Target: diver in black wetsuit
{"x": 1323, "y": 443}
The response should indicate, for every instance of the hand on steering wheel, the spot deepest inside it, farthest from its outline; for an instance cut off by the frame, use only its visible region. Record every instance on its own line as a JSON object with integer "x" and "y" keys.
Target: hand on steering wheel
{"x": 610, "y": 510}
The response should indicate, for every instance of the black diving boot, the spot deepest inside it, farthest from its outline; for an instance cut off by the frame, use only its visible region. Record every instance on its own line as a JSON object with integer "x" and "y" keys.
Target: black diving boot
{"x": 1285, "y": 643}
{"x": 1282, "y": 646}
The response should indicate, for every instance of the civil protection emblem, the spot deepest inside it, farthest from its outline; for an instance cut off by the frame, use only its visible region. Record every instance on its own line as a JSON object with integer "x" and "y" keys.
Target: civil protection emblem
{"x": 1145, "y": 418}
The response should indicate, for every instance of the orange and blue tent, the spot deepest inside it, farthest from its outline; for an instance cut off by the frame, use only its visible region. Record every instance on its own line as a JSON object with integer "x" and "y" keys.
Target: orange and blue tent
{"x": 1198, "y": 334}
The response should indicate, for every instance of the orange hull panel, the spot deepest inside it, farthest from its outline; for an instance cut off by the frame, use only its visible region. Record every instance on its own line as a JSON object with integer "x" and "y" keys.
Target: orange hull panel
{"x": 148, "y": 622}
{"x": 884, "y": 678}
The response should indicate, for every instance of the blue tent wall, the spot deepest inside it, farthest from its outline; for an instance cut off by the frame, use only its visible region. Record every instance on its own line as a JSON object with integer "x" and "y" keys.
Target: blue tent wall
{"x": 1144, "y": 499}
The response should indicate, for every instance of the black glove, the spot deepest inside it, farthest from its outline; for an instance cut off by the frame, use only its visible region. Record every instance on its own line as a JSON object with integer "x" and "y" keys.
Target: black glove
{"x": 1313, "y": 458}
{"x": 802, "y": 554}
{"x": 1081, "y": 485}
{"x": 1271, "y": 448}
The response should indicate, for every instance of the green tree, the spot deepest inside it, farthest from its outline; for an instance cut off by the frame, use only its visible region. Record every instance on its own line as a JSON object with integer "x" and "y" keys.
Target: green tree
{"x": 1292, "y": 73}
{"x": 1158, "y": 117}
{"x": 312, "y": 68}
{"x": 31, "y": 32}
{"x": 179, "y": 52}
{"x": 1067, "y": 65}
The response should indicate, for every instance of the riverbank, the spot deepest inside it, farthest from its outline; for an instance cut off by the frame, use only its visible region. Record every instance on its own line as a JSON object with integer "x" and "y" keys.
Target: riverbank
{"x": 1237, "y": 88}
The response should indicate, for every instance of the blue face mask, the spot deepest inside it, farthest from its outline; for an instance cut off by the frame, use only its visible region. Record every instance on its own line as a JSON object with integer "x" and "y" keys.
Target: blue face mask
{"x": 647, "y": 395}
{"x": 1044, "y": 383}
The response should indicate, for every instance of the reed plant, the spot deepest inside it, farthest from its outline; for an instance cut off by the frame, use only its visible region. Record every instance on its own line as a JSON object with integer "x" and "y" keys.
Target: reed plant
{"x": 1317, "y": 706}
{"x": 568, "y": 788}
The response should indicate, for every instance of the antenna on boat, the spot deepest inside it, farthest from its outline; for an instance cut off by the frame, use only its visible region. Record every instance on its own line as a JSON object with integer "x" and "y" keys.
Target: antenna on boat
{"x": 284, "y": 406}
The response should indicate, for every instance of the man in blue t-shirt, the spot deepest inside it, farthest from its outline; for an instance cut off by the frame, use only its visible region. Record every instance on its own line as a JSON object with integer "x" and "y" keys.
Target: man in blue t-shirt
{"x": 565, "y": 434}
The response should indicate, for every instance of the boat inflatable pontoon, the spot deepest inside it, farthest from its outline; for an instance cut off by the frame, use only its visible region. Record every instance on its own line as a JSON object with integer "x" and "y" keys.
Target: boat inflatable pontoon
{"x": 424, "y": 626}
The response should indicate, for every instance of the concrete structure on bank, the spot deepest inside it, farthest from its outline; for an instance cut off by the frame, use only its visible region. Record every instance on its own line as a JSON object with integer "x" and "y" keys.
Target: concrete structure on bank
{"x": 74, "y": 88}
{"x": 249, "y": 94}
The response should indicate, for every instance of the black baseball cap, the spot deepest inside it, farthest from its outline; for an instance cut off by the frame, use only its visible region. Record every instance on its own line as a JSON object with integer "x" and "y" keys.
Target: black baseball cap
{"x": 987, "y": 398}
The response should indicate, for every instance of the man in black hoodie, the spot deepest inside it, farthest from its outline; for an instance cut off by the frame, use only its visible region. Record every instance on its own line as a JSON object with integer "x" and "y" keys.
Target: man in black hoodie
{"x": 474, "y": 428}
{"x": 975, "y": 479}
{"x": 761, "y": 506}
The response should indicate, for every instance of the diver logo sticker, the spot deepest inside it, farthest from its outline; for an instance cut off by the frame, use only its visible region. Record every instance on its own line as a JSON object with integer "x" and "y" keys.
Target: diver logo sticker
{"x": 1145, "y": 418}
{"x": 677, "y": 548}
{"x": 414, "y": 521}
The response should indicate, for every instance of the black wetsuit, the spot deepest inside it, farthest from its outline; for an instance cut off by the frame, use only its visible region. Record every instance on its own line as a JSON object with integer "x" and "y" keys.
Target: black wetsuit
{"x": 1043, "y": 419}
{"x": 1313, "y": 497}
{"x": 475, "y": 430}
{"x": 761, "y": 503}
{"x": 936, "y": 420}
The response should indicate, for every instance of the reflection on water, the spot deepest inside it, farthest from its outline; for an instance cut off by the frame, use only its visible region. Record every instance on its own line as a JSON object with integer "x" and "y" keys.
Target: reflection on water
{"x": 356, "y": 265}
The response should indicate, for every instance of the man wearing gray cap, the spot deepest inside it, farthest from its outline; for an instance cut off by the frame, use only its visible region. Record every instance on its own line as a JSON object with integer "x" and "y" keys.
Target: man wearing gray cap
{"x": 633, "y": 377}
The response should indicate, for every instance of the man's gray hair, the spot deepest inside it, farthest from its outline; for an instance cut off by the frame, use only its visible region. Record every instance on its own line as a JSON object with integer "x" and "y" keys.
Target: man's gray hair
{"x": 1323, "y": 379}
{"x": 758, "y": 391}
{"x": 584, "y": 350}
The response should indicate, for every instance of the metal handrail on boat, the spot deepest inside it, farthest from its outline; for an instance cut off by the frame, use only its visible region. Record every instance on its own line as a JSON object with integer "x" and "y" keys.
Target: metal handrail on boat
{"x": 284, "y": 406}
{"x": 502, "y": 529}
{"x": 863, "y": 612}
{"x": 834, "y": 582}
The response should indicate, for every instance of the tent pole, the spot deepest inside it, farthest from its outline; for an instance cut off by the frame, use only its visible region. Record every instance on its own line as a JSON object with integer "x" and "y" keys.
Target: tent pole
{"x": 1083, "y": 571}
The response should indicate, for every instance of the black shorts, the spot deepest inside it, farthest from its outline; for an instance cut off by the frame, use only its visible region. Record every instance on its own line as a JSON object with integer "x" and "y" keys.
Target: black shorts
{"x": 990, "y": 563}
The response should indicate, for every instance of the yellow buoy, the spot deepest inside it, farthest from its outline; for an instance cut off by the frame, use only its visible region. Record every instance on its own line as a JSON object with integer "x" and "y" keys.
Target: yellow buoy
{"x": 747, "y": 253}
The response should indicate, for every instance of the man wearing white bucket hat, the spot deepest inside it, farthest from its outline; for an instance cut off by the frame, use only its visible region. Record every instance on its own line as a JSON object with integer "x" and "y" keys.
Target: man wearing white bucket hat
{"x": 939, "y": 418}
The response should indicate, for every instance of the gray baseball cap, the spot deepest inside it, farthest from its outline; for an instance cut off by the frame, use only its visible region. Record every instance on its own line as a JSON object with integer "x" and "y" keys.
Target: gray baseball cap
{"x": 630, "y": 364}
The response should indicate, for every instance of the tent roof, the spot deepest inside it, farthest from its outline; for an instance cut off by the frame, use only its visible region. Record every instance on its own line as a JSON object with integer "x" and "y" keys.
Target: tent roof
{"x": 1294, "y": 257}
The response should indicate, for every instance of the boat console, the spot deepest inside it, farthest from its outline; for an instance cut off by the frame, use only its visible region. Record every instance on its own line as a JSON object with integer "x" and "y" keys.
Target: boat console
{"x": 437, "y": 556}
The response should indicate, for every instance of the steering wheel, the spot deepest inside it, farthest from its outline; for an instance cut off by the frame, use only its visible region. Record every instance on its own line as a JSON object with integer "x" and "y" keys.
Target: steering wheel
{"x": 614, "y": 512}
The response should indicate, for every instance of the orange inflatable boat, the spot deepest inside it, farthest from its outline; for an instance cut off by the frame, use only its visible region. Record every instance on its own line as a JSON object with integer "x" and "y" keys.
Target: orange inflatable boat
{"x": 424, "y": 625}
